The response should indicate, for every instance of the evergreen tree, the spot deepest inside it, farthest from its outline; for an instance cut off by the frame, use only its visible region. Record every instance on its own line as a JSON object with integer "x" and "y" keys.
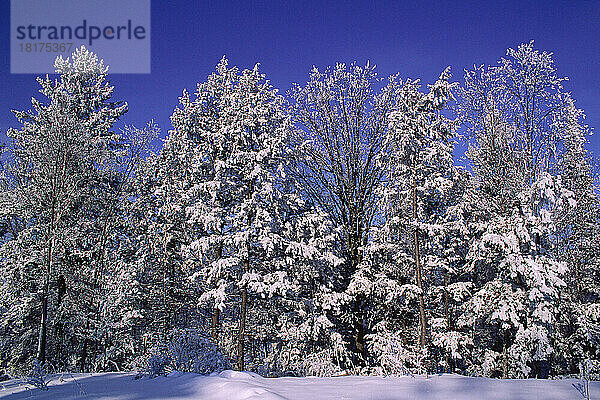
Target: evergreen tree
{"x": 58, "y": 156}
{"x": 407, "y": 249}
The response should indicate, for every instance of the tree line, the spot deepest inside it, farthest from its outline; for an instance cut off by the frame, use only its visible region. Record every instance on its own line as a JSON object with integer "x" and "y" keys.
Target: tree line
{"x": 325, "y": 231}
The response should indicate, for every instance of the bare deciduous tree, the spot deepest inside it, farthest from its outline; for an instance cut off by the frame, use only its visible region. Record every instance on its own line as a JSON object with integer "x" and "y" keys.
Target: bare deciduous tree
{"x": 343, "y": 119}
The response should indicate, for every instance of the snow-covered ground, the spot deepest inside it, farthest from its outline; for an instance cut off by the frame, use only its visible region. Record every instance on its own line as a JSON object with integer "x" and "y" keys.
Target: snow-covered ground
{"x": 231, "y": 385}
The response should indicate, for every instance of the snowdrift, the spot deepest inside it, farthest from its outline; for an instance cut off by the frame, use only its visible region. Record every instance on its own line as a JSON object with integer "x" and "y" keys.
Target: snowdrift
{"x": 231, "y": 385}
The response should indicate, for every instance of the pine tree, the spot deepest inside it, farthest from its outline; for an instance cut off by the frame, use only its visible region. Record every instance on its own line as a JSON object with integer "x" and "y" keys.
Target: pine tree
{"x": 512, "y": 111}
{"x": 224, "y": 170}
{"x": 420, "y": 175}
{"x": 576, "y": 335}
{"x": 59, "y": 154}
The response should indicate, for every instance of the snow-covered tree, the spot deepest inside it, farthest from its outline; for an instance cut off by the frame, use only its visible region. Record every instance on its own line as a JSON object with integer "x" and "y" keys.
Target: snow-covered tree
{"x": 524, "y": 93}
{"x": 518, "y": 281}
{"x": 342, "y": 119}
{"x": 112, "y": 308}
{"x": 513, "y": 113}
{"x": 329, "y": 235}
{"x": 246, "y": 241}
{"x": 58, "y": 155}
{"x": 409, "y": 242}
{"x": 577, "y": 335}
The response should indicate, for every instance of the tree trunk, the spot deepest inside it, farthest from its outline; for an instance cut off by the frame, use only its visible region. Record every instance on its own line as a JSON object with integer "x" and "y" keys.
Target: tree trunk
{"x": 82, "y": 359}
{"x": 83, "y": 356}
{"x": 166, "y": 299}
{"x": 214, "y": 328}
{"x": 242, "y": 330}
{"x": 42, "y": 338}
{"x": 504, "y": 362}
{"x": 244, "y": 292}
{"x": 359, "y": 338}
{"x": 354, "y": 244}
{"x": 216, "y": 313}
{"x": 41, "y": 350}
{"x": 447, "y": 314}
{"x": 419, "y": 273}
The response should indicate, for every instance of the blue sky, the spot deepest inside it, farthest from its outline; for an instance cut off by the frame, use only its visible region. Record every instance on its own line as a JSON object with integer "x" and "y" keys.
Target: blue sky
{"x": 417, "y": 39}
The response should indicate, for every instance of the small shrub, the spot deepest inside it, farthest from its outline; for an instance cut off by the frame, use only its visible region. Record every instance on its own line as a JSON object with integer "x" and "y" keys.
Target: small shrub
{"x": 186, "y": 351}
{"x": 38, "y": 376}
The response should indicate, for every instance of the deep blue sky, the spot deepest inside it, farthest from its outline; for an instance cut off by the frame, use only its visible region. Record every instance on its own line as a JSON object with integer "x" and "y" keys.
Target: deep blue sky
{"x": 418, "y": 39}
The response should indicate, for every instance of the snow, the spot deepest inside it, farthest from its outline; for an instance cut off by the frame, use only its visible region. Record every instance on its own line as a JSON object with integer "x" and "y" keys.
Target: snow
{"x": 232, "y": 385}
